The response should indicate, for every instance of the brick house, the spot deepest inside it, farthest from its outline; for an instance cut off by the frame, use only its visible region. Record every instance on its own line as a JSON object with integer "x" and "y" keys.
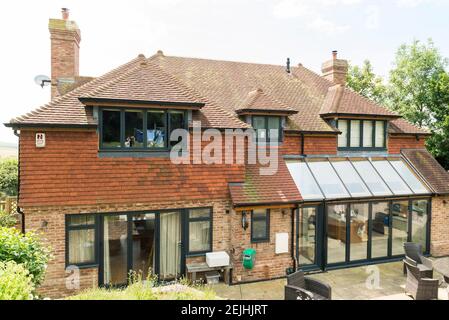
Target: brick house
{"x": 353, "y": 180}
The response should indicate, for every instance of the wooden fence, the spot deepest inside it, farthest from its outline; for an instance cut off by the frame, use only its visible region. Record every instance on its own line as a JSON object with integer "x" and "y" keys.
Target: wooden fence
{"x": 8, "y": 204}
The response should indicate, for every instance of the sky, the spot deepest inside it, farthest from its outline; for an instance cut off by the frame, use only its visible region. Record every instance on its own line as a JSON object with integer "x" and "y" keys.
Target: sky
{"x": 115, "y": 31}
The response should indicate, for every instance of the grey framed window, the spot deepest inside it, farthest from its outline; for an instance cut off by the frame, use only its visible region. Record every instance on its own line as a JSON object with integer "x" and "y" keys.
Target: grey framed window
{"x": 139, "y": 129}
{"x": 199, "y": 224}
{"x": 362, "y": 134}
{"x": 268, "y": 129}
{"x": 81, "y": 240}
{"x": 260, "y": 225}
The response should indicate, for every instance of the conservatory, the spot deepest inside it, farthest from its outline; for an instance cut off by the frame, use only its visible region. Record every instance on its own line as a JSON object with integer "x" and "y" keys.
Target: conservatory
{"x": 358, "y": 210}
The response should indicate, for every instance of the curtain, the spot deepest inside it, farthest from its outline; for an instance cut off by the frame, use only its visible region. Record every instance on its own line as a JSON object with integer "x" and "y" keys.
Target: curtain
{"x": 82, "y": 246}
{"x": 106, "y": 258}
{"x": 170, "y": 251}
{"x": 199, "y": 236}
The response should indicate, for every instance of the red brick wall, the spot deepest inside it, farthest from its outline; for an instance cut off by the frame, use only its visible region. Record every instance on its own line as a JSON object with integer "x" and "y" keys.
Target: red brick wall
{"x": 314, "y": 145}
{"x": 68, "y": 171}
{"x": 268, "y": 264}
{"x": 439, "y": 241}
{"x": 53, "y": 235}
{"x": 395, "y": 144}
{"x": 291, "y": 145}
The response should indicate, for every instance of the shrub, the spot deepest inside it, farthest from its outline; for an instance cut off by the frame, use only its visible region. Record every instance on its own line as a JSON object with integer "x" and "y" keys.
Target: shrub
{"x": 15, "y": 282}
{"x": 7, "y": 220}
{"x": 9, "y": 176}
{"x": 24, "y": 249}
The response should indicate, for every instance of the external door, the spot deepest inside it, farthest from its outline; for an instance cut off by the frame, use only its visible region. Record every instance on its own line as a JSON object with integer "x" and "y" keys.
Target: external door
{"x": 144, "y": 243}
{"x": 309, "y": 230}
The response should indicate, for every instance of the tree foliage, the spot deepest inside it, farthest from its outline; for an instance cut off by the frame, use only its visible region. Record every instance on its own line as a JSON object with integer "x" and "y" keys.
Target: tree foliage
{"x": 417, "y": 89}
{"x": 9, "y": 176}
{"x": 363, "y": 80}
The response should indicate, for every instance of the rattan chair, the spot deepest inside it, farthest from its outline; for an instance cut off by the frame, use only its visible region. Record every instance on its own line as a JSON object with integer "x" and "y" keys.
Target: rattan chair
{"x": 413, "y": 253}
{"x": 420, "y": 288}
{"x": 300, "y": 287}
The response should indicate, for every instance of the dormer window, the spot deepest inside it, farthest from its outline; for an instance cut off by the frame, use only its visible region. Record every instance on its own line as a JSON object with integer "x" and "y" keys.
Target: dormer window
{"x": 268, "y": 128}
{"x": 359, "y": 134}
{"x": 139, "y": 129}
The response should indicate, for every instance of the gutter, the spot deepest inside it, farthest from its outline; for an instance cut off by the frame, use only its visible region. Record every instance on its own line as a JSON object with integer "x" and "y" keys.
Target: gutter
{"x": 18, "y": 209}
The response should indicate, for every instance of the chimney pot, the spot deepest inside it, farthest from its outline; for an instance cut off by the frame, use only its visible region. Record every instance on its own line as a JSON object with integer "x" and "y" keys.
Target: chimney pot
{"x": 65, "y": 13}
{"x": 334, "y": 54}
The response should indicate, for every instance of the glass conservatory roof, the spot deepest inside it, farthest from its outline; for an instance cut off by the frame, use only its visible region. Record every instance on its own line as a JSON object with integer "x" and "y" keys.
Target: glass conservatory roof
{"x": 341, "y": 178}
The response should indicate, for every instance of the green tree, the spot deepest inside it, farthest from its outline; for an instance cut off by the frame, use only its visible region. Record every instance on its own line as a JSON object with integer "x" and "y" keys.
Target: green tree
{"x": 9, "y": 176}
{"x": 362, "y": 80}
{"x": 419, "y": 91}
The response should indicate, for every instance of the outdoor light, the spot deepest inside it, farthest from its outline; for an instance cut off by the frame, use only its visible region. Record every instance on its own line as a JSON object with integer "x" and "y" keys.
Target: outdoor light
{"x": 244, "y": 220}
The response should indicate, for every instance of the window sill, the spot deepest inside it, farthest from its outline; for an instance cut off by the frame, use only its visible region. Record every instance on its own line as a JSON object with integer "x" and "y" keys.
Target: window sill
{"x": 260, "y": 240}
{"x": 83, "y": 266}
{"x": 358, "y": 149}
{"x": 134, "y": 153}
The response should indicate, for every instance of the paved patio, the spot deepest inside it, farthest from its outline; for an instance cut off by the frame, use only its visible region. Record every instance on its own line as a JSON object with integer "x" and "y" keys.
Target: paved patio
{"x": 375, "y": 282}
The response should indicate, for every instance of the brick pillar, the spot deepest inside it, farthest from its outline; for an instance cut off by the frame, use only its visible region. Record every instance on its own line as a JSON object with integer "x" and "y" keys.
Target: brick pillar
{"x": 65, "y": 43}
{"x": 439, "y": 241}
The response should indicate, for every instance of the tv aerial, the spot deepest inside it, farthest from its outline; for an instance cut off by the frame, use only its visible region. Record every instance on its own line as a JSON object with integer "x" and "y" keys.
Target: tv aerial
{"x": 42, "y": 80}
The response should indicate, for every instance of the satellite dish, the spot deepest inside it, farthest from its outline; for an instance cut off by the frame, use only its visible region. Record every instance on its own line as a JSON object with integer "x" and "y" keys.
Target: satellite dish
{"x": 42, "y": 80}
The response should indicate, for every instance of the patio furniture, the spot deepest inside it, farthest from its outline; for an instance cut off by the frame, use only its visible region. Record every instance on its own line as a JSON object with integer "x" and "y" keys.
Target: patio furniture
{"x": 419, "y": 287}
{"x": 413, "y": 251}
{"x": 300, "y": 287}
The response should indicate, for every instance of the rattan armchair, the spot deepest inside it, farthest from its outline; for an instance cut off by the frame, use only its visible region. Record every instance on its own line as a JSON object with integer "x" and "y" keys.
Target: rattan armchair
{"x": 417, "y": 286}
{"x": 413, "y": 253}
{"x": 300, "y": 287}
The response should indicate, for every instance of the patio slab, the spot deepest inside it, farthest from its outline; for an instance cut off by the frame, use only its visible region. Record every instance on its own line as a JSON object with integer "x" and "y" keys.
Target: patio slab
{"x": 375, "y": 282}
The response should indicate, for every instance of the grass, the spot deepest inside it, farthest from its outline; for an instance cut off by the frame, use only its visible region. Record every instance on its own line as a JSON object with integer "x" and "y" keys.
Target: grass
{"x": 149, "y": 290}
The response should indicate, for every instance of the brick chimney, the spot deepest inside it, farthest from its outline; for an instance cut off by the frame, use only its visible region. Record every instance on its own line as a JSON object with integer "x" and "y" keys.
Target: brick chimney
{"x": 335, "y": 69}
{"x": 65, "y": 45}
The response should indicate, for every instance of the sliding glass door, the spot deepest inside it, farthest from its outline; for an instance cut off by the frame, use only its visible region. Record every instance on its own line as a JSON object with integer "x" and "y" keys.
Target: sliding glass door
{"x": 115, "y": 250}
{"x": 141, "y": 242}
{"x": 309, "y": 244}
{"x": 144, "y": 243}
{"x": 365, "y": 231}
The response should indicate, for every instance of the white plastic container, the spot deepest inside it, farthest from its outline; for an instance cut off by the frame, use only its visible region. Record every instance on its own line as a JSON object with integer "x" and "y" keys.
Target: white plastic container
{"x": 217, "y": 259}
{"x": 212, "y": 277}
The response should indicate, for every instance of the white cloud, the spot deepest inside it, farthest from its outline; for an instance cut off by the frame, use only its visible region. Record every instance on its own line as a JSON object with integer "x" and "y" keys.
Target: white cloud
{"x": 326, "y": 26}
{"x": 372, "y": 17}
{"x": 312, "y": 12}
{"x": 409, "y": 3}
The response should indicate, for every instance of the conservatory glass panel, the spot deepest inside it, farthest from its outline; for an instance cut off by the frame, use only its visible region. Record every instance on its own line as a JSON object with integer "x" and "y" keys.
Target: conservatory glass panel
{"x": 409, "y": 177}
{"x": 328, "y": 180}
{"x": 351, "y": 179}
{"x": 391, "y": 177}
{"x": 304, "y": 181}
{"x": 371, "y": 178}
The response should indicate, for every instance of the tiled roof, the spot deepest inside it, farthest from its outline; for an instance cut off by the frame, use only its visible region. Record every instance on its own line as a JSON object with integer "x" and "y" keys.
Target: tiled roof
{"x": 400, "y": 126}
{"x": 262, "y": 189}
{"x": 342, "y": 100}
{"x": 429, "y": 168}
{"x": 224, "y": 87}
{"x": 257, "y": 100}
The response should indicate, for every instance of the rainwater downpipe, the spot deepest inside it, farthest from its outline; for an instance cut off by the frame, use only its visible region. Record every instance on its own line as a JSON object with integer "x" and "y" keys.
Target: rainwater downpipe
{"x": 18, "y": 209}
